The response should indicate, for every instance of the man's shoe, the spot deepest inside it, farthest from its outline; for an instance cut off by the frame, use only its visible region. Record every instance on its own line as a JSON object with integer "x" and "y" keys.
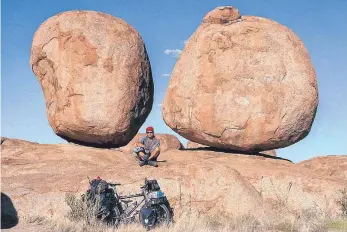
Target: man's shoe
{"x": 141, "y": 163}
{"x": 136, "y": 156}
{"x": 153, "y": 163}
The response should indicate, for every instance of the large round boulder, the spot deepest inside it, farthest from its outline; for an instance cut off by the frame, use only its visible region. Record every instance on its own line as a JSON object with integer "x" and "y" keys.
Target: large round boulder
{"x": 243, "y": 83}
{"x": 95, "y": 75}
{"x": 167, "y": 142}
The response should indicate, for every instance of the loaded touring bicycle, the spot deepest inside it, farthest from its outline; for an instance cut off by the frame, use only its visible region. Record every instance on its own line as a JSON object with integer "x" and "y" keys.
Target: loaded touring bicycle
{"x": 113, "y": 209}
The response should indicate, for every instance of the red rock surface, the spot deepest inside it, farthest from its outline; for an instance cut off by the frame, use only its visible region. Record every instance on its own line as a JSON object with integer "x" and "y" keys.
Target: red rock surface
{"x": 167, "y": 142}
{"x": 95, "y": 75}
{"x": 209, "y": 182}
{"x": 333, "y": 166}
{"x": 243, "y": 83}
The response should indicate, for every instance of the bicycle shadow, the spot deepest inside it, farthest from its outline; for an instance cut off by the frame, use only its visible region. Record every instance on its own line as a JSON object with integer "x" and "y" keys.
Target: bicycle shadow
{"x": 9, "y": 216}
{"x": 260, "y": 154}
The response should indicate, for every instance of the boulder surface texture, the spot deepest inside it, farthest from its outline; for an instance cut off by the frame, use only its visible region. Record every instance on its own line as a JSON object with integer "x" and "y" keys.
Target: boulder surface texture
{"x": 242, "y": 83}
{"x": 95, "y": 75}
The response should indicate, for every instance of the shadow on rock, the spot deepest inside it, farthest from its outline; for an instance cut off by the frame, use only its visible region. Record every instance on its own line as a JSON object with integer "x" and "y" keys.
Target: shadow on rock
{"x": 236, "y": 152}
{"x": 9, "y": 217}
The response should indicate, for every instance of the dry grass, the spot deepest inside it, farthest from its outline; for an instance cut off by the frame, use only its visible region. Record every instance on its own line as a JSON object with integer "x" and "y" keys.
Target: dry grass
{"x": 72, "y": 219}
{"x": 77, "y": 210}
{"x": 337, "y": 225}
{"x": 197, "y": 223}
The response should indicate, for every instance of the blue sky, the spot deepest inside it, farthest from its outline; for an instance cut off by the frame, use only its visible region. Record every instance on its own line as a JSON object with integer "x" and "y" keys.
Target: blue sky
{"x": 164, "y": 26}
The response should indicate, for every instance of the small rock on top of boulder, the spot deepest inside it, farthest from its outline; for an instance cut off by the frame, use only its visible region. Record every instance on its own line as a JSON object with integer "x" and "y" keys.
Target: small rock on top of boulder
{"x": 191, "y": 144}
{"x": 242, "y": 83}
{"x": 270, "y": 152}
{"x": 95, "y": 75}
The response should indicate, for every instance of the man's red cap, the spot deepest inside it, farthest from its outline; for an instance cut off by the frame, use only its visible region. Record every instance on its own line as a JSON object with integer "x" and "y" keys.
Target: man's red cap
{"x": 149, "y": 129}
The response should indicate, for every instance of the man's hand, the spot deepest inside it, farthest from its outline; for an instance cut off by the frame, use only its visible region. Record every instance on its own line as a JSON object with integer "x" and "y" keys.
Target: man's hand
{"x": 146, "y": 157}
{"x": 155, "y": 153}
{"x": 137, "y": 144}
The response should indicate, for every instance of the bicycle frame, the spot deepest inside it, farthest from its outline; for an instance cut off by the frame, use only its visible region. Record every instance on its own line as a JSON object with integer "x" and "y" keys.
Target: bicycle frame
{"x": 132, "y": 210}
{"x": 130, "y": 213}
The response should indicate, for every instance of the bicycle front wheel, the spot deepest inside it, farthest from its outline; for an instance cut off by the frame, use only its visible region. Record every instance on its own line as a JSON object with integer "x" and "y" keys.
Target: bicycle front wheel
{"x": 164, "y": 215}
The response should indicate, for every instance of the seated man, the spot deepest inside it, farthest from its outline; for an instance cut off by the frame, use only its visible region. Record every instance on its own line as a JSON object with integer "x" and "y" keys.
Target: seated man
{"x": 147, "y": 149}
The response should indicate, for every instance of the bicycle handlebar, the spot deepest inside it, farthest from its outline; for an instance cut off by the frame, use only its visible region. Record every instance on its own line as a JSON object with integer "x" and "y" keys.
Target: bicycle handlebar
{"x": 114, "y": 184}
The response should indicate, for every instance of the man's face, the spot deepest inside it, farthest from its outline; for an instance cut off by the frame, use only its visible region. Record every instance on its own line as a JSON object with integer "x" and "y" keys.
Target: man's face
{"x": 150, "y": 134}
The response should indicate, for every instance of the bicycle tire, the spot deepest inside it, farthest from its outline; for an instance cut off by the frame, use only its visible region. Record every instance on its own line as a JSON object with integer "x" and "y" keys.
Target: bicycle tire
{"x": 166, "y": 217}
{"x": 163, "y": 216}
{"x": 115, "y": 217}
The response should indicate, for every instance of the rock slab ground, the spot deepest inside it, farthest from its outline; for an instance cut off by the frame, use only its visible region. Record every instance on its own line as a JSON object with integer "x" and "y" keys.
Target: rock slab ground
{"x": 37, "y": 176}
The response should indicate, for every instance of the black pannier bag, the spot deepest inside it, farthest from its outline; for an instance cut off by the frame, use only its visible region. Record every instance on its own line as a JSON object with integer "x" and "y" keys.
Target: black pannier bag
{"x": 153, "y": 185}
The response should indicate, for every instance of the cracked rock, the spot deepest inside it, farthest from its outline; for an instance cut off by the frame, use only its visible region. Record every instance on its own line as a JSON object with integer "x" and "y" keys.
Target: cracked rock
{"x": 95, "y": 75}
{"x": 243, "y": 83}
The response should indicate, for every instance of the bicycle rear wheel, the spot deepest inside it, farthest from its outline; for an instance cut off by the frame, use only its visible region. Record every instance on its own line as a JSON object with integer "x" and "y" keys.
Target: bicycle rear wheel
{"x": 114, "y": 217}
